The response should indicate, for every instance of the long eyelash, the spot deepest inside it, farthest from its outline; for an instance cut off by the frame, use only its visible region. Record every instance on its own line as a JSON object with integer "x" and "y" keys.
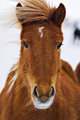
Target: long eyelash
{"x": 59, "y": 45}
{"x": 25, "y": 44}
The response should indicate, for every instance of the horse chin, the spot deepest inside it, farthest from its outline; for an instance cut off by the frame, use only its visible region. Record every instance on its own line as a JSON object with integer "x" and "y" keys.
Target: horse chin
{"x": 39, "y": 105}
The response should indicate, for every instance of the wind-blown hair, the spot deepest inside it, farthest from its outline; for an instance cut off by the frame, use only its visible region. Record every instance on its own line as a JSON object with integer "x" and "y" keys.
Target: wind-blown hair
{"x": 33, "y": 10}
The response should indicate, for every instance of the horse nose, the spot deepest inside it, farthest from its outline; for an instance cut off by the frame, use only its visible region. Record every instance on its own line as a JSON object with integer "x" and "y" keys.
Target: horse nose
{"x": 43, "y": 94}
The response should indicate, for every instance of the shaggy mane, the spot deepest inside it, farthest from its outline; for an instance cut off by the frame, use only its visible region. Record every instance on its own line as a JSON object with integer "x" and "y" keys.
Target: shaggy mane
{"x": 34, "y": 10}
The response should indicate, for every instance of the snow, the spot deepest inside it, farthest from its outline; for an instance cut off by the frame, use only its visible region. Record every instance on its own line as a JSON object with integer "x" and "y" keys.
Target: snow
{"x": 10, "y": 49}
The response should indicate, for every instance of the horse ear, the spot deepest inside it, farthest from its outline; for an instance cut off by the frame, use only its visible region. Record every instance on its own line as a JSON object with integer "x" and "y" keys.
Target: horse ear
{"x": 18, "y": 6}
{"x": 59, "y": 15}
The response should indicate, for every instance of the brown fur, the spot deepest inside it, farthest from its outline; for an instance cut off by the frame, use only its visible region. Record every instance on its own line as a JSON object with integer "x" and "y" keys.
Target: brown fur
{"x": 40, "y": 65}
{"x": 77, "y": 71}
{"x": 68, "y": 69}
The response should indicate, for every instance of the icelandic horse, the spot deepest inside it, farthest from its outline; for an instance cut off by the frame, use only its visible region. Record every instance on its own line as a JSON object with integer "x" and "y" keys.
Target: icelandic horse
{"x": 41, "y": 86}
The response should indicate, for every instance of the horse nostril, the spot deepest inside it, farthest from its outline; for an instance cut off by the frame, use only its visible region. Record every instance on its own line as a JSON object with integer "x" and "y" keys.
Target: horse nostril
{"x": 53, "y": 91}
{"x": 35, "y": 91}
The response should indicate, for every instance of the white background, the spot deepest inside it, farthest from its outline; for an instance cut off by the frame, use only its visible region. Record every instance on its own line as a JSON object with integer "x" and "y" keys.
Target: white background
{"x": 9, "y": 48}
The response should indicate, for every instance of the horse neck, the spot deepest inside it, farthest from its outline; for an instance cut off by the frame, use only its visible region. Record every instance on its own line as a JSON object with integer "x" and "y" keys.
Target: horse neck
{"x": 21, "y": 97}
{"x": 23, "y": 106}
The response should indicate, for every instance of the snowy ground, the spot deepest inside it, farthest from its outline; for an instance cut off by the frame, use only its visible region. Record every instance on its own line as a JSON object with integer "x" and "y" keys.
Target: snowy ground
{"x": 9, "y": 52}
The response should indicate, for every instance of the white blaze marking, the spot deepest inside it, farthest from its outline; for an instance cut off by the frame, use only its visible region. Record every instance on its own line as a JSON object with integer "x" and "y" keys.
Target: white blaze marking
{"x": 41, "y": 32}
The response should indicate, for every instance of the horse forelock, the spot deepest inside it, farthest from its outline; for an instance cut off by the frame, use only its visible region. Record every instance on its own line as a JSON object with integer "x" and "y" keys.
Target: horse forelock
{"x": 37, "y": 10}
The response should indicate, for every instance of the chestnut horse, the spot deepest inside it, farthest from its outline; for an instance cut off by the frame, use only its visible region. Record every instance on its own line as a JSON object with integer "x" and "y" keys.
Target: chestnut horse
{"x": 41, "y": 86}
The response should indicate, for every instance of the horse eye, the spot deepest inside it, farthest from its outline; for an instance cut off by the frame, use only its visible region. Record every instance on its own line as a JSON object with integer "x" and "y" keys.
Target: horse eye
{"x": 25, "y": 44}
{"x": 60, "y": 44}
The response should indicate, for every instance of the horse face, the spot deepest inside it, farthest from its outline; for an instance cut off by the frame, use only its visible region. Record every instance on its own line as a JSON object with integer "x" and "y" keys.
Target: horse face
{"x": 40, "y": 60}
{"x": 40, "y": 55}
